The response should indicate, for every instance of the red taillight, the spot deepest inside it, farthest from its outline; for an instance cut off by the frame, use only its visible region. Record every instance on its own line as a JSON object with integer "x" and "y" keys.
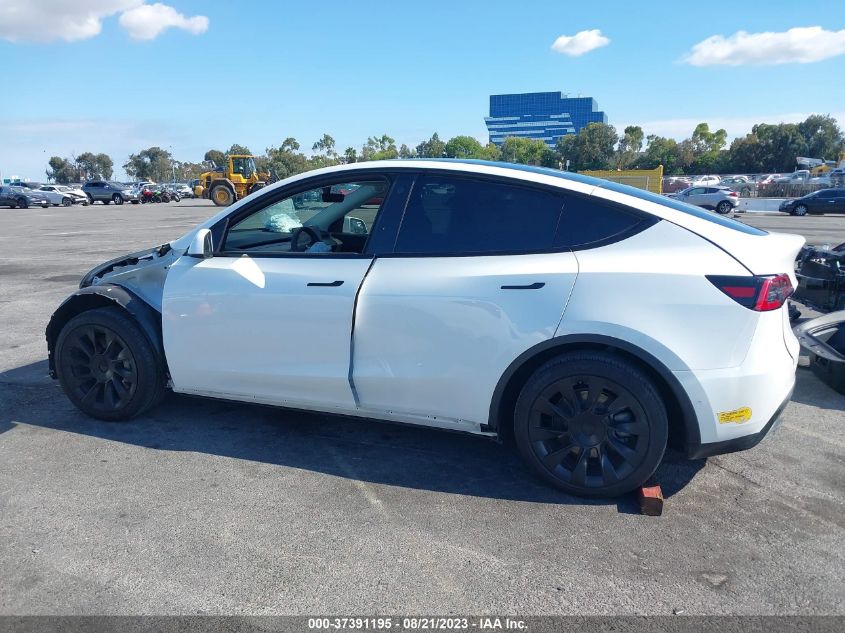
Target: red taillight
{"x": 734, "y": 194}
{"x": 760, "y": 293}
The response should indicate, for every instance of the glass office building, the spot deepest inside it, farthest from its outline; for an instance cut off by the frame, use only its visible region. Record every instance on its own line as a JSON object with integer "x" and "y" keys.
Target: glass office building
{"x": 545, "y": 116}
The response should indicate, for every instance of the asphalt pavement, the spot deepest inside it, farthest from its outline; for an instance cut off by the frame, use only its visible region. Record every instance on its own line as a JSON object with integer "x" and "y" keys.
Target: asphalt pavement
{"x": 209, "y": 507}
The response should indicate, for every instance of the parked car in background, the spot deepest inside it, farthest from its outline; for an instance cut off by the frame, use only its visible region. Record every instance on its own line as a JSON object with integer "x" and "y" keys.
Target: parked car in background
{"x": 818, "y": 202}
{"x": 22, "y": 197}
{"x": 798, "y": 177}
{"x": 478, "y": 305}
{"x": 837, "y": 177}
{"x": 706, "y": 181}
{"x": 743, "y": 185}
{"x": 107, "y": 191}
{"x": 182, "y": 189}
{"x": 719, "y": 199}
{"x": 674, "y": 184}
{"x": 77, "y": 195}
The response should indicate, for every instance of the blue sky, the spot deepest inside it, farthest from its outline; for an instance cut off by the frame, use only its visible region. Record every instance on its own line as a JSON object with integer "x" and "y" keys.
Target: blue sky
{"x": 279, "y": 69}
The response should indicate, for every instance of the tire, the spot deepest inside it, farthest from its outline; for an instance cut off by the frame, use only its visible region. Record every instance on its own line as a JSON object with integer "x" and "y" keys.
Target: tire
{"x": 222, "y": 196}
{"x": 66, "y": 202}
{"x": 107, "y": 366}
{"x": 90, "y": 199}
{"x": 564, "y": 431}
{"x": 724, "y": 207}
{"x": 800, "y": 210}
{"x": 117, "y": 198}
{"x": 176, "y": 197}
{"x": 23, "y": 203}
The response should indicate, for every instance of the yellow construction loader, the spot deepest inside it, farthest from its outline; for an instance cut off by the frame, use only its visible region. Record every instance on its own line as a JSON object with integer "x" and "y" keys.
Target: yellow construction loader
{"x": 237, "y": 178}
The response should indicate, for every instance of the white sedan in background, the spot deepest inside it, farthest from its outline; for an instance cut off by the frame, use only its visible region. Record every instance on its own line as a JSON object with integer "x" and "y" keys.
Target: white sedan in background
{"x": 77, "y": 196}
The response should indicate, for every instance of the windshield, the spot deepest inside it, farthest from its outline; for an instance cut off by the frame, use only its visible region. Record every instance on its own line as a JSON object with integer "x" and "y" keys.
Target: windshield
{"x": 244, "y": 166}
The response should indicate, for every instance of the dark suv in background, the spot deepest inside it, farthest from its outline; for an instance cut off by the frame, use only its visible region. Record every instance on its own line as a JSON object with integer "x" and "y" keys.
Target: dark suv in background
{"x": 108, "y": 191}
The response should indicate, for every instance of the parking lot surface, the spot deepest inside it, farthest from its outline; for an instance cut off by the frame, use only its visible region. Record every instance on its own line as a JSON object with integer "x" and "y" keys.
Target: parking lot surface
{"x": 213, "y": 507}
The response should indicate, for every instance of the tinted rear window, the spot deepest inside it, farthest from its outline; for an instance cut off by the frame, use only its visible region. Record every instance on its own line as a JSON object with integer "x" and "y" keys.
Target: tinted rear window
{"x": 456, "y": 215}
{"x": 689, "y": 209}
{"x": 591, "y": 221}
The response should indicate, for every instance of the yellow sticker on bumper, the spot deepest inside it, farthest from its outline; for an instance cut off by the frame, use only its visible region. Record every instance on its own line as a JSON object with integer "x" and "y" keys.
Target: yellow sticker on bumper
{"x": 737, "y": 416}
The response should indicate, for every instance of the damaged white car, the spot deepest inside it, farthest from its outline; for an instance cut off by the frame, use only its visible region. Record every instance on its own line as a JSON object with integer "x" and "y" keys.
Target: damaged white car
{"x": 591, "y": 321}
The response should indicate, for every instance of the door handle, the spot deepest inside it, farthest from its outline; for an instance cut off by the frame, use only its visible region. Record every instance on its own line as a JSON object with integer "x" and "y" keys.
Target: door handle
{"x": 535, "y": 286}
{"x": 326, "y": 284}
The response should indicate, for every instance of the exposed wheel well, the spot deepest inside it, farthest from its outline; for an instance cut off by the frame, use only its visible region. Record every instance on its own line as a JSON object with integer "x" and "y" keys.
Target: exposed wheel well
{"x": 104, "y": 296}
{"x": 683, "y": 427}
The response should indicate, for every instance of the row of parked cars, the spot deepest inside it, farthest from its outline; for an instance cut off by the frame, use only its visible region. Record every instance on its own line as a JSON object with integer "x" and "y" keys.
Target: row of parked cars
{"x": 32, "y": 194}
{"x": 755, "y": 184}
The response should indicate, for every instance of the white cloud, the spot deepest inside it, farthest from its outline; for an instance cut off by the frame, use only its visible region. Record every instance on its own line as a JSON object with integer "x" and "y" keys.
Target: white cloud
{"x": 580, "y": 43}
{"x": 798, "y": 45}
{"x": 51, "y": 20}
{"x": 148, "y": 20}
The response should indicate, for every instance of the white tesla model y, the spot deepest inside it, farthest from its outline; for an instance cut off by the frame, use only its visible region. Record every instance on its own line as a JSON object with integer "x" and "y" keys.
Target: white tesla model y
{"x": 590, "y": 321}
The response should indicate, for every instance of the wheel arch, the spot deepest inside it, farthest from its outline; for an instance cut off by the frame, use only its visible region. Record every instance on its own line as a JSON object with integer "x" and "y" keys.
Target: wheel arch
{"x": 104, "y": 296}
{"x": 683, "y": 422}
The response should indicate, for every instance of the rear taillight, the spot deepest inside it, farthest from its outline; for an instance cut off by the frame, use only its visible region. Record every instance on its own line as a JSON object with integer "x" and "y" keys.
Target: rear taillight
{"x": 734, "y": 194}
{"x": 760, "y": 293}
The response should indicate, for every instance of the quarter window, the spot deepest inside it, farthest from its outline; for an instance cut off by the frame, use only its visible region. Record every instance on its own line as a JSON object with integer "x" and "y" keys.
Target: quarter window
{"x": 453, "y": 215}
{"x": 588, "y": 220}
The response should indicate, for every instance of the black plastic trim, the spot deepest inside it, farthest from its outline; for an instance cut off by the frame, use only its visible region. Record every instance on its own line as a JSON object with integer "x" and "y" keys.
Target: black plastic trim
{"x": 700, "y": 451}
{"x": 692, "y": 433}
{"x": 147, "y": 317}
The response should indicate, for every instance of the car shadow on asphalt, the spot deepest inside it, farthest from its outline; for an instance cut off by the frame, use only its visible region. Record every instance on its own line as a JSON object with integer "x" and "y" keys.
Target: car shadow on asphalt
{"x": 353, "y": 448}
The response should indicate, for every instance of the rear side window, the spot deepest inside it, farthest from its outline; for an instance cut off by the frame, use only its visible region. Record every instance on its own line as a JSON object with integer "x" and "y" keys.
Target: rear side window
{"x": 454, "y": 215}
{"x": 683, "y": 207}
{"x": 590, "y": 222}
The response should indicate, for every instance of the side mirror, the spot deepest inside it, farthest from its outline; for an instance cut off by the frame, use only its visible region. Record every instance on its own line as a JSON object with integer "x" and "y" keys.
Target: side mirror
{"x": 201, "y": 246}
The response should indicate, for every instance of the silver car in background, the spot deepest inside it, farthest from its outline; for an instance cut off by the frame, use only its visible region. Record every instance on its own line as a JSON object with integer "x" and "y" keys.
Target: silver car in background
{"x": 719, "y": 199}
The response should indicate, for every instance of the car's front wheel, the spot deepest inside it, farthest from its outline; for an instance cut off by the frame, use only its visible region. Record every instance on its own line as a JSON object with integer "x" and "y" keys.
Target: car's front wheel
{"x": 107, "y": 366}
{"x": 23, "y": 203}
{"x": 800, "y": 209}
{"x": 591, "y": 424}
{"x": 66, "y": 202}
{"x": 117, "y": 198}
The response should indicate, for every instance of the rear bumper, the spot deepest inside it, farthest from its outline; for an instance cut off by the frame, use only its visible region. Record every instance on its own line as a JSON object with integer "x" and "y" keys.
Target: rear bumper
{"x": 699, "y": 451}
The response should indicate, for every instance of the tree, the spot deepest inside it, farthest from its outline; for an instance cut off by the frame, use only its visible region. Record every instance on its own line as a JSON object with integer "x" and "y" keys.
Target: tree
{"x": 406, "y": 152}
{"x": 153, "y": 163}
{"x": 661, "y": 151}
{"x": 527, "y": 151}
{"x": 94, "y": 166}
{"x": 463, "y": 147}
{"x": 350, "y": 155}
{"x": 432, "y": 148}
{"x": 491, "y": 151}
{"x": 325, "y": 146}
{"x": 238, "y": 149}
{"x": 379, "y": 148}
{"x": 823, "y": 137}
{"x": 592, "y": 148}
{"x": 62, "y": 170}
{"x": 779, "y": 145}
{"x": 286, "y": 160}
{"x": 630, "y": 145}
{"x": 216, "y": 156}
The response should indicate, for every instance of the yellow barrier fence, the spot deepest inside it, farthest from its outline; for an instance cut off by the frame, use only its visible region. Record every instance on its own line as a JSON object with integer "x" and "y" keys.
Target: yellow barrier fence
{"x": 648, "y": 179}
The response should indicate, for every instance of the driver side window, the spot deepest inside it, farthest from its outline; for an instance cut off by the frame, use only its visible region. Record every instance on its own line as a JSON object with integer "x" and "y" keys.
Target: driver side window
{"x": 333, "y": 218}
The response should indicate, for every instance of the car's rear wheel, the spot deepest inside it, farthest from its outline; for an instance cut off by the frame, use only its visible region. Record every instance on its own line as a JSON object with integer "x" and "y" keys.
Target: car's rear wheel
{"x": 800, "y": 209}
{"x": 724, "y": 207}
{"x": 23, "y": 203}
{"x": 107, "y": 366}
{"x": 591, "y": 424}
{"x": 117, "y": 198}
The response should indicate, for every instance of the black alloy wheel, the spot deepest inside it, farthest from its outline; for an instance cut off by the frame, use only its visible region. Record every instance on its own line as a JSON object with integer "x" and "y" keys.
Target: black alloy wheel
{"x": 591, "y": 424}
{"x": 66, "y": 202}
{"x": 724, "y": 207}
{"x": 107, "y": 366}
{"x": 23, "y": 203}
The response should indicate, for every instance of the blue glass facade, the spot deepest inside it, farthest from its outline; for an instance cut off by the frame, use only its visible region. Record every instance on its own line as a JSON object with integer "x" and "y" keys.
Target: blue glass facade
{"x": 545, "y": 116}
